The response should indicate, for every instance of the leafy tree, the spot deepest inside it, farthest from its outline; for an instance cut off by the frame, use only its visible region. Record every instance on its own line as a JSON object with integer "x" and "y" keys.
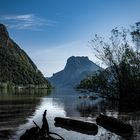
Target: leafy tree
{"x": 121, "y": 55}
{"x": 122, "y": 59}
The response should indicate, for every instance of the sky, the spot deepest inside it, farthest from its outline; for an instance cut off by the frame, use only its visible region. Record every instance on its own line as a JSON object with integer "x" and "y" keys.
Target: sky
{"x": 50, "y": 31}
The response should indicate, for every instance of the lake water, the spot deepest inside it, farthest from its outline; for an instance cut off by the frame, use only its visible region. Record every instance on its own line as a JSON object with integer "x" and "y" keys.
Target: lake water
{"x": 19, "y": 109}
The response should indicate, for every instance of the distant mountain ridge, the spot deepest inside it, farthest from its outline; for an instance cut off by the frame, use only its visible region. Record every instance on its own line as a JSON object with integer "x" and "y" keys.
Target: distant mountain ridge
{"x": 75, "y": 70}
{"x": 15, "y": 65}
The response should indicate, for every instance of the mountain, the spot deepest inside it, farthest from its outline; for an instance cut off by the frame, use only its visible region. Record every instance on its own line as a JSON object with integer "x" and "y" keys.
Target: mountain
{"x": 75, "y": 70}
{"x": 16, "y": 68}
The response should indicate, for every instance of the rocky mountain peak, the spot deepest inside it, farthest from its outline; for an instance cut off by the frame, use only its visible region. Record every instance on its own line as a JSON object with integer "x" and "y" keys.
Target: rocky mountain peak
{"x": 77, "y": 68}
{"x": 79, "y": 62}
{"x": 75, "y": 58}
{"x": 3, "y": 31}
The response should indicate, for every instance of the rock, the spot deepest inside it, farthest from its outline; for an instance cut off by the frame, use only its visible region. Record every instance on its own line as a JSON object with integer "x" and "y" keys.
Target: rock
{"x": 115, "y": 125}
{"x": 76, "y": 125}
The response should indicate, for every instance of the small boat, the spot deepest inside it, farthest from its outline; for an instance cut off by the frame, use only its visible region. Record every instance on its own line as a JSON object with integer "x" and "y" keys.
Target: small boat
{"x": 76, "y": 125}
{"x": 115, "y": 125}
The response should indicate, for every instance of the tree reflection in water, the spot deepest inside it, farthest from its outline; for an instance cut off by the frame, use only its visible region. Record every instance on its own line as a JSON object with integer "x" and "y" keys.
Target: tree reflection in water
{"x": 88, "y": 108}
{"x": 19, "y": 107}
{"x": 91, "y": 108}
{"x": 15, "y": 108}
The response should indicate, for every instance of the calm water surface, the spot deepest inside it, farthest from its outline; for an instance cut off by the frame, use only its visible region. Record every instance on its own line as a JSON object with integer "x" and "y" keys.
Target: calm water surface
{"x": 19, "y": 109}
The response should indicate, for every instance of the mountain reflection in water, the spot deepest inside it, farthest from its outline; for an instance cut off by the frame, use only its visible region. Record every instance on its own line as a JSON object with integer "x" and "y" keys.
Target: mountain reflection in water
{"x": 15, "y": 108}
{"x": 19, "y": 109}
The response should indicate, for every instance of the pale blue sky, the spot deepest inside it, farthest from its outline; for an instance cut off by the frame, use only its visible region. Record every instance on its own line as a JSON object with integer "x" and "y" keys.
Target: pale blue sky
{"x": 50, "y": 31}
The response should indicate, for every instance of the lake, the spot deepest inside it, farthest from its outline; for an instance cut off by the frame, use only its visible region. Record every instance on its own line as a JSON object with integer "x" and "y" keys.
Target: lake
{"x": 18, "y": 109}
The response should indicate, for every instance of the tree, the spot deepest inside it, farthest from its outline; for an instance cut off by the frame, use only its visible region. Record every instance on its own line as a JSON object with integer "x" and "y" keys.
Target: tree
{"x": 122, "y": 57}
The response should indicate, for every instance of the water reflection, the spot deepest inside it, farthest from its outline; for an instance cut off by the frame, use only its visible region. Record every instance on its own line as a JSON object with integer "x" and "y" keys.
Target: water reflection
{"x": 19, "y": 108}
{"x": 89, "y": 108}
{"x": 15, "y": 108}
{"x": 92, "y": 108}
{"x": 134, "y": 120}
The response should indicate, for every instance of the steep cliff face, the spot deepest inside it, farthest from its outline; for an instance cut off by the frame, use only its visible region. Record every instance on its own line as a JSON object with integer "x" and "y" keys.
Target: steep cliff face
{"x": 75, "y": 70}
{"x": 15, "y": 65}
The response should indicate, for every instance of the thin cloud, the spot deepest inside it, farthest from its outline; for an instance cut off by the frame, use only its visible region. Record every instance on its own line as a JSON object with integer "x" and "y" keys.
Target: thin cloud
{"x": 26, "y": 21}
